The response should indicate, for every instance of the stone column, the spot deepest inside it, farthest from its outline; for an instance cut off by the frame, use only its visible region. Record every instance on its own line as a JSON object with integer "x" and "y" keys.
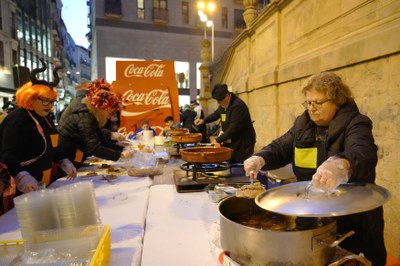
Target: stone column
{"x": 205, "y": 68}
{"x": 250, "y": 12}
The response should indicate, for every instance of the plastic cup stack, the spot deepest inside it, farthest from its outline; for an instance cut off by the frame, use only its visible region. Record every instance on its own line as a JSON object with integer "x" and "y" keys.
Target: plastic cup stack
{"x": 68, "y": 206}
{"x": 36, "y": 211}
{"x": 76, "y": 205}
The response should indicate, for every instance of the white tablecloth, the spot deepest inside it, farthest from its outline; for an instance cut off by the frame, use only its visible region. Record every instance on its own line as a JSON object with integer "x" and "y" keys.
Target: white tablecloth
{"x": 177, "y": 228}
{"x": 122, "y": 205}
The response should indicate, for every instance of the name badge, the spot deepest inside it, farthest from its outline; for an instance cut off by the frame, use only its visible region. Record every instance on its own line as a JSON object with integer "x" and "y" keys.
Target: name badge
{"x": 305, "y": 157}
{"x": 223, "y": 117}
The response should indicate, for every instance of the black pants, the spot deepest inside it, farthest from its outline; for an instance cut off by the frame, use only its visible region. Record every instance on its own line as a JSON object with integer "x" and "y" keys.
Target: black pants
{"x": 368, "y": 237}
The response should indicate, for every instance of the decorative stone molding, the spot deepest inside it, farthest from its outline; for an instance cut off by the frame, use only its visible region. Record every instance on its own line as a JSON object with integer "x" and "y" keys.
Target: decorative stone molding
{"x": 250, "y": 13}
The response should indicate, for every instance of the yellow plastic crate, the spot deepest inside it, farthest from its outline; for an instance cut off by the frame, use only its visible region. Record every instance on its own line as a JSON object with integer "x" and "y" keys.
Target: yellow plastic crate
{"x": 103, "y": 250}
{"x": 10, "y": 249}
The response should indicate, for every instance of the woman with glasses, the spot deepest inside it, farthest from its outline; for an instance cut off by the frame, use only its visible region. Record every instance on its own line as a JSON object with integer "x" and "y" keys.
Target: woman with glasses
{"x": 29, "y": 140}
{"x": 331, "y": 143}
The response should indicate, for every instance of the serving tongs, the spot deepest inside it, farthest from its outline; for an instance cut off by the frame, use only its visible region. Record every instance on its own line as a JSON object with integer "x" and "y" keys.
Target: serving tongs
{"x": 250, "y": 191}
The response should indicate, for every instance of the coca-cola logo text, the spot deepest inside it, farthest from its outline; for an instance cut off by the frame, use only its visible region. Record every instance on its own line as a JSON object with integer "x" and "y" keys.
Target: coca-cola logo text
{"x": 153, "y": 97}
{"x": 150, "y": 71}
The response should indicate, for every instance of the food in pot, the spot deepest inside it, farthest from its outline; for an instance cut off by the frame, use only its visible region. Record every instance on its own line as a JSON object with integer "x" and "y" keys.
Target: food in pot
{"x": 258, "y": 218}
{"x": 250, "y": 191}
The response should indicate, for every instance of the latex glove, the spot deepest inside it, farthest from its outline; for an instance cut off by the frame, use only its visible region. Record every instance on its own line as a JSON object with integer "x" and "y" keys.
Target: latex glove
{"x": 127, "y": 153}
{"x": 198, "y": 122}
{"x": 117, "y": 136}
{"x": 68, "y": 168}
{"x": 25, "y": 182}
{"x": 331, "y": 174}
{"x": 253, "y": 164}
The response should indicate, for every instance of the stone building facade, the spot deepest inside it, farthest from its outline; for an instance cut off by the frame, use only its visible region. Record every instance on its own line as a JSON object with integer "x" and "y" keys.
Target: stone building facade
{"x": 159, "y": 30}
{"x": 292, "y": 39}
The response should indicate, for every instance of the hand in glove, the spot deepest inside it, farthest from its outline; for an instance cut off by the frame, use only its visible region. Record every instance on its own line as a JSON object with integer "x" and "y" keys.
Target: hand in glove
{"x": 117, "y": 136}
{"x": 331, "y": 174}
{"x": 253, "y": 164}
{"x": 68, "y": 168}
{"x": 25, "y": 182}
{"x": 127, "y": 153}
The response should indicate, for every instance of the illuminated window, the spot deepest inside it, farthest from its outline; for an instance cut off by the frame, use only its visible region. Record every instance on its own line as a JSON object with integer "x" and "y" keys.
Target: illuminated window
{"x": 162, "y": 4}
{"x": 140, "y": 9}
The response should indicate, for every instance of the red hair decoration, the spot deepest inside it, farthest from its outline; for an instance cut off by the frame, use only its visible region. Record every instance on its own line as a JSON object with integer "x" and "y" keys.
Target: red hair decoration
{"x": 106, "y": 100}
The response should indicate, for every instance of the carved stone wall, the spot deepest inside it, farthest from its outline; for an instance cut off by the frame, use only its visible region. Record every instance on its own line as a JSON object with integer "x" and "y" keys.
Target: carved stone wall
{"x": 292, "y": 39}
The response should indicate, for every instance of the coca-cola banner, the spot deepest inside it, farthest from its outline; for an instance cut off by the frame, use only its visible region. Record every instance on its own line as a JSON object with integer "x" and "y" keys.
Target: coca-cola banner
{"x": 149, "y": 92}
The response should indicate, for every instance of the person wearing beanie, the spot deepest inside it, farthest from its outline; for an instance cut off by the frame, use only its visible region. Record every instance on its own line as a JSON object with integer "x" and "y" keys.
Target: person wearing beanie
{"x": 81, "y": 124}
{"x": 237, "y": 131}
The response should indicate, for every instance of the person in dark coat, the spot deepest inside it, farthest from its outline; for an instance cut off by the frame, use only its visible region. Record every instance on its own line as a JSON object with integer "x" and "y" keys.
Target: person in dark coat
{"x": 29, "y": 140}
{"x": 187, "y": 118}
{"x": 195, "y": 105}
{"x": 237, "y": 127}
{"x": 331, "y": 143}
{"x": 81, "y": 124}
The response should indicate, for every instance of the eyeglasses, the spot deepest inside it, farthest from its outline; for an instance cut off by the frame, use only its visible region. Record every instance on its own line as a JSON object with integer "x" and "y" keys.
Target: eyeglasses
{"x": 47, "y": 102}
{"x": 315, "y": 104}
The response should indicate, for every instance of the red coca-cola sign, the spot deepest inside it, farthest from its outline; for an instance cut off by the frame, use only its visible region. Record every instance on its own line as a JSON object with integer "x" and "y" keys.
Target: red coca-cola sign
{"x": 149, "y": 91}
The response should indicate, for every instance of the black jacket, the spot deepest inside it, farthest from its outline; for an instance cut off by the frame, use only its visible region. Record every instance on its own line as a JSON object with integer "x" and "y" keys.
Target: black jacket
{"x": 239, "y": 133}
{"x": 21, "y": 141}
{"x": 79, "y": 129}
{"x": 349, "y": 136}
{"x": 187, "y": 118}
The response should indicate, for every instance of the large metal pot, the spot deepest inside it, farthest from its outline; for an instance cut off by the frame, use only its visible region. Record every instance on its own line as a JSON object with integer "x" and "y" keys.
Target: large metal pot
{"x": 206, "y": 154}
{"x": 251, "y": 246}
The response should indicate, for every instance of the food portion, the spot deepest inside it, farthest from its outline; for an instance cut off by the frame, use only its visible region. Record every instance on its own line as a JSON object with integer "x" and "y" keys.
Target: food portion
{"x": 92, "y": 173}
{"x": 250, "y": 191}
{"x": 108, "y": 177}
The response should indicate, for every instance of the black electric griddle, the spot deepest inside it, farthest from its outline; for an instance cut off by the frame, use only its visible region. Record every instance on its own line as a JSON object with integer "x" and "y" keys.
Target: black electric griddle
{"x": 185, "y": 182}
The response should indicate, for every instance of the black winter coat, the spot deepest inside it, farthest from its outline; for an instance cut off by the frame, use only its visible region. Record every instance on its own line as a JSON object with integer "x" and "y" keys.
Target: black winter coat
{"x": 21, "y": 141}
{"x": 349, "y": 136}
{"x": 239, "y": 133}
{"x": 79, "y": 129}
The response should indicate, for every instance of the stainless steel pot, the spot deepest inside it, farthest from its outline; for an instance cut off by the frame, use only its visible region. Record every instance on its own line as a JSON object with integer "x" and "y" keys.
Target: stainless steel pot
{"x": 251, "y": 246}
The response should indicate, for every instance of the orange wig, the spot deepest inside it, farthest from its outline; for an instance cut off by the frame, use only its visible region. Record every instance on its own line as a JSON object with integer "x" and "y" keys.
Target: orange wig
{"x": 28, "y": 93}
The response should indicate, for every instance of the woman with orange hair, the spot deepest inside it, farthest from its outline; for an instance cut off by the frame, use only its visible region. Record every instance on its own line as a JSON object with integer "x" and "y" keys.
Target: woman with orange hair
{"x": 81, "y": 124}
{"x": 29, "y": 140}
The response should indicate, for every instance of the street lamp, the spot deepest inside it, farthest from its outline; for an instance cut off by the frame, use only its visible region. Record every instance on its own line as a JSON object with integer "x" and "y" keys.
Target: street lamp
{"x": 209, "y": 24}
{"x": 203, "y": 10}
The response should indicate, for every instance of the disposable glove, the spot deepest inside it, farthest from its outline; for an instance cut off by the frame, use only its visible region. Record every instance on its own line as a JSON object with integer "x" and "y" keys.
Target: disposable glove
{"x": 127, "y": 153}
{"x": 25, "y": 182}
{"x": 117, "y": 136}
{"x": 68, "y": 168}
{"x": 331, "y": 174}
{"x": 253, "y": 164}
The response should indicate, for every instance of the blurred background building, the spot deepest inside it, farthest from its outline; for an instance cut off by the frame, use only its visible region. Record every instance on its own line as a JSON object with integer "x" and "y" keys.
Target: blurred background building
{"x": 161, "y": 30}
{"x": 31, "y": 30}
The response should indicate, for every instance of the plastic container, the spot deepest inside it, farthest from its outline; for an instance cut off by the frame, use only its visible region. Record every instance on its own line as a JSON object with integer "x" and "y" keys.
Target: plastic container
{"x": 92, "y": 246}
